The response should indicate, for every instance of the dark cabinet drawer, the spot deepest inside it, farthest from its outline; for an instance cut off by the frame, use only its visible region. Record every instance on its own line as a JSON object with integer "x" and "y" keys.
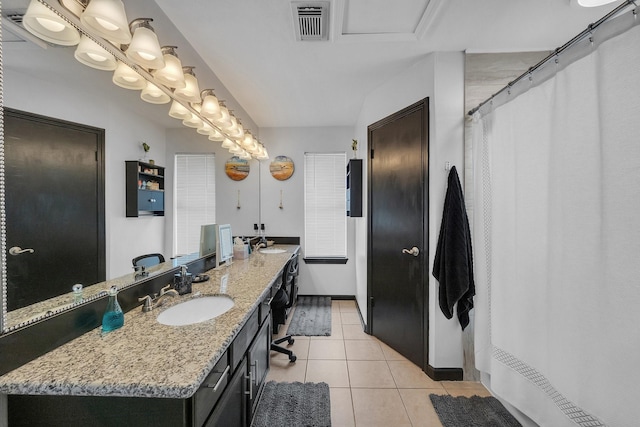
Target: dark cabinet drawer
{"x": 243, "y": 340}
{"x": 231, "y": 410}
{"x": 211, "y": 389}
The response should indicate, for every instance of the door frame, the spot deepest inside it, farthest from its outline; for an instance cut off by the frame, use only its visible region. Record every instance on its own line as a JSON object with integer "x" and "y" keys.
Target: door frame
{"x": 423, "y": 105}
{"x": 100, "y": 172}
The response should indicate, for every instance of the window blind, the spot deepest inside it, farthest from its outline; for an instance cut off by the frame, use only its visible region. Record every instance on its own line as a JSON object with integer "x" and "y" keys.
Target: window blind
{"x": 325, "y": 220}
{"x": 195, "y": 199}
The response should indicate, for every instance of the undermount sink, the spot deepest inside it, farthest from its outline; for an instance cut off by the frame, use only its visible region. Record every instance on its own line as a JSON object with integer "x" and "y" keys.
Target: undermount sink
{"x": 272, "y": 251}
{"x": 195, "y": 310}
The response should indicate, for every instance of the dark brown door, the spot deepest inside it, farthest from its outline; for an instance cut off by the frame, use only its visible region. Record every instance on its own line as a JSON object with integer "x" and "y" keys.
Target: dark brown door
{"x": 398, "y": 231}
{"x": 54, "y": 206}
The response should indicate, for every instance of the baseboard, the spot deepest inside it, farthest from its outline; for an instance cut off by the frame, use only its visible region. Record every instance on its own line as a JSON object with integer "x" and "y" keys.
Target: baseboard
{"x": 444, "y": 374}
{"x": 336, "y": 297}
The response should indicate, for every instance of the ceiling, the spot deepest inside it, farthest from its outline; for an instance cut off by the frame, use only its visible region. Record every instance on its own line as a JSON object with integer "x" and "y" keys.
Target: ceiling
{"x": 251, "y": 46}
{"x": 281, "y": 82}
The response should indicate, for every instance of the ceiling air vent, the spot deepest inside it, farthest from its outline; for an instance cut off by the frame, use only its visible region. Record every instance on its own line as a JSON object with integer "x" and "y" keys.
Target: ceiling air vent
{"x": 311, "y": 20}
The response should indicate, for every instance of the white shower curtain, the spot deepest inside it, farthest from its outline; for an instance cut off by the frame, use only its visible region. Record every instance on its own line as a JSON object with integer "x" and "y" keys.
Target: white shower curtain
{"x": 557, "y": 240}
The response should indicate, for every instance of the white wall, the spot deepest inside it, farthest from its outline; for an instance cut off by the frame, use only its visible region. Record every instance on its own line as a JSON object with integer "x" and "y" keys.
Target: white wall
{"x": 440, "y": 77}
{"x": 260, "y": 196}
{"x": 315, "y": 279}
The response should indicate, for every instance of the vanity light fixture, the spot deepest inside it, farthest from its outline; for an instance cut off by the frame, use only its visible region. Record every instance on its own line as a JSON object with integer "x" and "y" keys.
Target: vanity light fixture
{"x": 144, "y": 49}
{"x": 179, "y": 111}
{"x": 210, "y": 105}
{"x": 140, "y": 65}
{"x": 191, "y": 92}
{"x": 154, "y": 95}
{"x": 43, "y": 23}
{"x": 126, "y": 78}
{"x": 108, "y": 19}
{"x": 171, "y": 74}
{"x": 93, "y": 55}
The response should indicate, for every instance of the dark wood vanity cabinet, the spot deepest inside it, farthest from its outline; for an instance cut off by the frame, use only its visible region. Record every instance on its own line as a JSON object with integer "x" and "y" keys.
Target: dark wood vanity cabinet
{"x": 144, "y": 184}
{"x": 227, "y": 397}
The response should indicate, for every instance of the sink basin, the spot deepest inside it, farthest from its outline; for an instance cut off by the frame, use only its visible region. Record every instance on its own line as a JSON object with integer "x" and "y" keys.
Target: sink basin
{"x": 272, "y": 251}
{"x": 195, "y": 310}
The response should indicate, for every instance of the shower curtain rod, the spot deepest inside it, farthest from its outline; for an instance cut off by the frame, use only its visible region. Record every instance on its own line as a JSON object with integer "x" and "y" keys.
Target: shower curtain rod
{"x": 558, "y": 51}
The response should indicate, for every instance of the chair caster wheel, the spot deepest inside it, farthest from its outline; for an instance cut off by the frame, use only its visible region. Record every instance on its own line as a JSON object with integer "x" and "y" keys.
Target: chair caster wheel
{"x": 292, "y": 358}
{"x": 291, "y": 341}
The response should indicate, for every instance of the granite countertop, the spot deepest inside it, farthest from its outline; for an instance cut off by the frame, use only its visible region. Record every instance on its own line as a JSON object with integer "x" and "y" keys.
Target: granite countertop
{"x": 145, "y": 358}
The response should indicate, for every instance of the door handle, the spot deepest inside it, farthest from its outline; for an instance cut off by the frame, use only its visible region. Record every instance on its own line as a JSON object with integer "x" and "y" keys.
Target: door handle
{"x": 17, "y": 250}
{"x": 413, "y": 251}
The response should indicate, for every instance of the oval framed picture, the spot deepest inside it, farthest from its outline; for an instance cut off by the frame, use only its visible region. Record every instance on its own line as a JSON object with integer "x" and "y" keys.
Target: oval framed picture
{"x": 236, "y": 168}
{"x": 281, "y": 168}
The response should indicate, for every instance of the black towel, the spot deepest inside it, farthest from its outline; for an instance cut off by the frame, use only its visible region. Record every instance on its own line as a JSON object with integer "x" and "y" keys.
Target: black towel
{"x": 453, "y": 263}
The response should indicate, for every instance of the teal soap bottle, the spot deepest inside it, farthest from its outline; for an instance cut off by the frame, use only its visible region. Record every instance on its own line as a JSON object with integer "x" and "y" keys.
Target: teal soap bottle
{"x": 113, "y": 317}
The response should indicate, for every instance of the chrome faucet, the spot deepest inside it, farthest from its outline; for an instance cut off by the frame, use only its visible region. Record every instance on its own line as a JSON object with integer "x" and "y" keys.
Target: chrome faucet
{"x": 156, "y": 301}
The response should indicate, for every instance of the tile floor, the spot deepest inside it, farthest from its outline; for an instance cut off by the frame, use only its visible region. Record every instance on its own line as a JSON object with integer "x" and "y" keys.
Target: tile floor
{"x": 371, "y": 384}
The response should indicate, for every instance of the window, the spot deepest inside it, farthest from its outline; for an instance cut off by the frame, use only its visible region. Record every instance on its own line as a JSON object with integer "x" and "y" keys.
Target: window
{"x": 195, "y": 199}
{"x": 325, "y": 219}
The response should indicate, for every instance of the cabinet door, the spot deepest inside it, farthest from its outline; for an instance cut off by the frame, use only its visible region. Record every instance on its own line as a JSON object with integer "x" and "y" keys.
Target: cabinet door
{"x": 231, "y": 408}
{"x": 258, "y": 359}
{"x": 150, "y": 200}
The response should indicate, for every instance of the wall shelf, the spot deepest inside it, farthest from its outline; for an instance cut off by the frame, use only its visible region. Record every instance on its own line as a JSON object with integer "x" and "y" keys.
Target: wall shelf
{"x": 354, "y": 188}
{"x": 144, "y": 189}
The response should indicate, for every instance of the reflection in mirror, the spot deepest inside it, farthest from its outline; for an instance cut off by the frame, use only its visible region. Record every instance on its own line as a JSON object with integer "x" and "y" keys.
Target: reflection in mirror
{"x": 47, "y": 80}
{"x": 43, "y": 267}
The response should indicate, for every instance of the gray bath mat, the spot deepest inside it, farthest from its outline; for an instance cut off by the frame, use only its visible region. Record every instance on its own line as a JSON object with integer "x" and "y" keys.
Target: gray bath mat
{"x": 474, "y": 411}
{"x": 293, "y": 404}
{"x": 311, "y": 317}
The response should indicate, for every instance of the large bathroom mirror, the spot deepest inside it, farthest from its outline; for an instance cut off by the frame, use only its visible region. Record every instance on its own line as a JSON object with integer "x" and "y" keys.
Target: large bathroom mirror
{"x": 47, "y": 80}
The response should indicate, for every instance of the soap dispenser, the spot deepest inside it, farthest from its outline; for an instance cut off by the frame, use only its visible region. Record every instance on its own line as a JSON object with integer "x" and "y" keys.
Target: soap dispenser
{"x": 182, "y": 282}
{"x": 113, "y": 316}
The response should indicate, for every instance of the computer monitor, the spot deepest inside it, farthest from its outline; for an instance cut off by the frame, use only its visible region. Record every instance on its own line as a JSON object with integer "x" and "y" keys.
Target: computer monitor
{"x": 224, "y": 254}
{"x": 208, "y": 239}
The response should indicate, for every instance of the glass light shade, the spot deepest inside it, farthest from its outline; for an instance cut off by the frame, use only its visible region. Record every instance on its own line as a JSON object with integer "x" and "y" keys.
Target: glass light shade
{"x": 126, "y": 78}
{"x": 93, "y": 55}
{"x": 40, "y": 21}
{"x": 154, "y": 95}
{"x": 238, "y": 133}
{"x": 216, "y": 135}
{"x": 205, "y": 129}
{"x": 594, "y": 3}
{"x": 179, "y": 111}
{"x": 211, "y": 107}
{"x": 108, "y": 19}
{"x": 144, "y": 49}
{"x": 244, "y": 155}
{"x": 227, "y": 143}
{"x": 263, "y": 155}
{"x": 171, "y": 74}
{"x": 225, "y": 120}
{"x": 235, "y": 149}
{"x": 194, "y": 121}
{"x": 247, "y": 141}
{"x": 191, "y": 92}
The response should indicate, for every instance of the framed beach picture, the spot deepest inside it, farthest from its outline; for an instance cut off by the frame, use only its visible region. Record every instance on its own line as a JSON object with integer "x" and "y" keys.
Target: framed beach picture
{"x": 236, "y": 168}
{"x": 281, "y": 168}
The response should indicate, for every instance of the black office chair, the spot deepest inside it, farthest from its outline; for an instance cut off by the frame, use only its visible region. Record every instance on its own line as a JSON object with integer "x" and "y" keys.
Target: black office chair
{"x": 147, "y": 260}
{"x": 284, "y": 299}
